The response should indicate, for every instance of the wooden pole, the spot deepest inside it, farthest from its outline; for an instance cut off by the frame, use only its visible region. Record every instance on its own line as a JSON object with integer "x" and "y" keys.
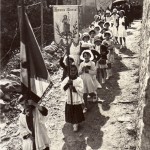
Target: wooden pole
{"x": 23, "y": 37}
{"x": 68, "y": 52}
{"x": 42, "y": 37}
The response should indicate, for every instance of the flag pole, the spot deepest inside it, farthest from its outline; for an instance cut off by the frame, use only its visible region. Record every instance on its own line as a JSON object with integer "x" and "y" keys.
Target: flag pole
{"x": 68, "y": 49}
{"x": 42, "y": 36}
{"x": 23, "y": 26}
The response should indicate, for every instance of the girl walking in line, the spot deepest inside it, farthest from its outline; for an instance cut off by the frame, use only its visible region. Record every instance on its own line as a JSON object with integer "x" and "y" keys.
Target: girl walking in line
{"x": 92, "y": 35}
{"x": 114, "y": 22}
{"x": 64, "y": 64}
{"x": 73, "y": 109}
{"x": 97, "y": 31}
{"x": 102, "y": 65}
{"x": 101, "y": 24}
{"x": 122, "y": 27}
{"x": 87, "y": 70}
{"x": 75, "y": 53}
{"x": 97, "y": 42}
{"x": 96, "y": 20}
{"x": 85, "y": 43}
{"x": 109, "y": 43}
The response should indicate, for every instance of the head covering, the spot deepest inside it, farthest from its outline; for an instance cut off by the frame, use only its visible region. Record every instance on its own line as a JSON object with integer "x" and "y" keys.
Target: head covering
{"x": 85, "y": 34}
{"x": 97, "y": 26}
{"x": 108, "y": 32}
{"x": 114, "y": 10}
{"x": 101, "y": 21}
{"x": 97, "y": 38}
{"x": 122, "y": 11}
{"x": 80, "y": 35}
{"x": 108, "y": 12}
{"x": 88, "y": 51}
{"x": 65, "y": 59}
{"x": 1, "y": 93}
{"x": 2, "y": 102}
{"x": 96, "y": 17}
{"x": 92, "y": 30}
{"x": 91, "y": 26}
{"x": 22, "y": 98}
{"x": 105, "y": 24}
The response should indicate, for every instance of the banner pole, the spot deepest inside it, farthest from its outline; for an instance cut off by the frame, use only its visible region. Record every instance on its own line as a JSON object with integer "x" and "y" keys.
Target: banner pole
{"x": 42, "y": 36}
{"x": 68, "y": 49}
{"x": 23, "y": 37}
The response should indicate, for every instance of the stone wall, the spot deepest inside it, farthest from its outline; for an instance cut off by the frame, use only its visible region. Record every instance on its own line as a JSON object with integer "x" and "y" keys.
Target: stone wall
{"x": 144, "y": 89}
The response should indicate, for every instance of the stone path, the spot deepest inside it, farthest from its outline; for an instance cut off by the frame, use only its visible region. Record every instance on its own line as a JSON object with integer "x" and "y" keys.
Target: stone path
{"x": 111, "y": 124}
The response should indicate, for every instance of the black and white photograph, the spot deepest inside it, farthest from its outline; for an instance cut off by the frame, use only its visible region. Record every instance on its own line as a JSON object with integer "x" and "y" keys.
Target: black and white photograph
{"x": 75, "y": 75}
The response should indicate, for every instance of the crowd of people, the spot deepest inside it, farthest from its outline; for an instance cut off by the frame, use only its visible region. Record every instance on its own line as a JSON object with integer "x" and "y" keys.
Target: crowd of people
{"x": 90, "y": 62}
{"x": 88, "y": 66}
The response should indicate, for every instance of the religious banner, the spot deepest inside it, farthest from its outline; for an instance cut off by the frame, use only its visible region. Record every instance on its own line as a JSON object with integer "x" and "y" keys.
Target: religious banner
{"x": 66, "y": 24}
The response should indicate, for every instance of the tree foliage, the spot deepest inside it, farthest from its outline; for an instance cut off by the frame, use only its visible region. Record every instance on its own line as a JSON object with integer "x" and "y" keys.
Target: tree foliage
{"x": 10, "y": 25}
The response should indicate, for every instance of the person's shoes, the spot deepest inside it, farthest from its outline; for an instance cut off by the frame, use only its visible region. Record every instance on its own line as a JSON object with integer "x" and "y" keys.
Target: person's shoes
{"x": 125, "y": 47}
{"x": 110, "y": 73}
{"x": 121, "y": 47}
{"x": 84, "y": 110}
{"x": 103, "y": 81}
{"x": 75, "y": 127}
{"x": 99, "y": 86}
{"x": 107, "y": 78}
{"x": 99, "y": 100}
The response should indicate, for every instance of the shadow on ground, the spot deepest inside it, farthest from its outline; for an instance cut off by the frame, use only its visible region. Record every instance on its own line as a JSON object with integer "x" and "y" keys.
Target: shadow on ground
{"x": 132, "y": 28}
{"x": 127, "y": 51}
{"x": 111, "y": 88}
{"x": 89, "y": 134}
{"x": 129, "y": 33}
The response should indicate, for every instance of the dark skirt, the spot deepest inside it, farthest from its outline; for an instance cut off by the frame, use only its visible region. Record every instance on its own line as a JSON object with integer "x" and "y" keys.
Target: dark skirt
{"x": 74, "y": 114}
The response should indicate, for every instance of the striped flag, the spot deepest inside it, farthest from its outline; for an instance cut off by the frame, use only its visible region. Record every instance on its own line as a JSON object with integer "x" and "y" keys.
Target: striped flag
{"x": 34, "y": 75}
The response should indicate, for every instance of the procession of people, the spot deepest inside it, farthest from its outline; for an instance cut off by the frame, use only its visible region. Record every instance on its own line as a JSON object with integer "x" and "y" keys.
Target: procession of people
{"x": 85, "y": 70}
{"x": 92, "y": 61}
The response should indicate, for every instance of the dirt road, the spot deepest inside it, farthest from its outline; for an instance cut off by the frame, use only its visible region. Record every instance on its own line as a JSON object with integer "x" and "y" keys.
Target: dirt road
{"x": 111, "y": 124}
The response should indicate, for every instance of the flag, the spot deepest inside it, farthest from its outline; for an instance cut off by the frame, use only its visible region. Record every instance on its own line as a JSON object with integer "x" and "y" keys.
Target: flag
{"x": 34, "y": 75}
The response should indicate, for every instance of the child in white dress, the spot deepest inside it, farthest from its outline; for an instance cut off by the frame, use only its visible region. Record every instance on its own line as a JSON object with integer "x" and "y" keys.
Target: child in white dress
{"x": 102, "y": 64}
{"x": 108, "y": 42}
{"x": 85, "y": 43}
{"x": 114, "y": 21}
{"x": 75, "y": 53}
{"x": 92, "y": 35}
{"x": 87, "y": 70}
{"x": 122, "y": 27}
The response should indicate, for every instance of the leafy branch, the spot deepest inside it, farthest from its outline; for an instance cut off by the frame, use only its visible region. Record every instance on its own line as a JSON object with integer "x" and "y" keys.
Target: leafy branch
{"x": 58, "y": 31}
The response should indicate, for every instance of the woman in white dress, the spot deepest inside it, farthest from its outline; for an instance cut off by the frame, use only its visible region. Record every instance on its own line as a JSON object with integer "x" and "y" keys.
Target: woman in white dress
{"x": 87, "y": 70}
{"x": 114, "y": 21}
{"x": 122, "y": 26}
{"x": 75, "y": 53}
